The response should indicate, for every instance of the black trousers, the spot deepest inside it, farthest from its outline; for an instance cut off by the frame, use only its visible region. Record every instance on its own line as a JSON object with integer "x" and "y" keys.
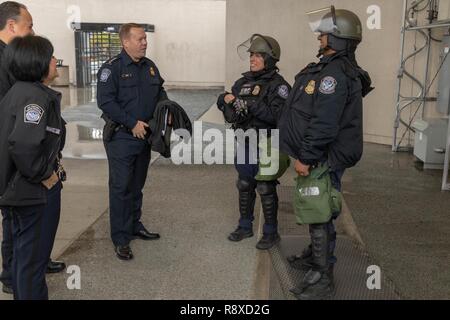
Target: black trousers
{"x": 128, "y": 160}
{"x": 34, "y": 230}
{"x": 7, "y": 247}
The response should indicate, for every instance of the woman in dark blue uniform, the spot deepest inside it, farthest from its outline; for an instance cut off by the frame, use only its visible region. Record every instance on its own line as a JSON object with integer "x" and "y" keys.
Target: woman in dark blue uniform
{"x": 254, "y": 104}
{"x": 32, "y": 136}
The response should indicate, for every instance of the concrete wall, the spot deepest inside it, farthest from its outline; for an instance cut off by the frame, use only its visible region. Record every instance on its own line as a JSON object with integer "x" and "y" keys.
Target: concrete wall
{"x": 379, "y": 53}
{"x": 188, "y": 45}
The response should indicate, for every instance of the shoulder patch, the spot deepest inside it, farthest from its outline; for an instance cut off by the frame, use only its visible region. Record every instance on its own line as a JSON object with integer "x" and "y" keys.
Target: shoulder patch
{"x": 111, "y": 60}
{"x": 283, "y": 91}
{"x": 328, "y": 85}
{"x": 105, "y": 75}
{"x": 33, "y": 113}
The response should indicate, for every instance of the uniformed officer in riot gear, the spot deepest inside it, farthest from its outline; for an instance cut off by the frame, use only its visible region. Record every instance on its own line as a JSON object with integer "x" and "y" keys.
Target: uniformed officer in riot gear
{"x": 128, "y": 89}
{"x": 254, "y": 103}
{"x": 322, "y": 123}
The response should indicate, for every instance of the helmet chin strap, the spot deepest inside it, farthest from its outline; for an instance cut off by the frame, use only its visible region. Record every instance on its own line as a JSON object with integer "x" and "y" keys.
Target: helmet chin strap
{"x": 322, "y": 51}
{"x": 269, "y": 62}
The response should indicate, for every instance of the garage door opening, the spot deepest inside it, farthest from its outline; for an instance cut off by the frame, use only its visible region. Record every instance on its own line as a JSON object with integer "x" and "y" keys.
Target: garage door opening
{"x": 94, "y": 44}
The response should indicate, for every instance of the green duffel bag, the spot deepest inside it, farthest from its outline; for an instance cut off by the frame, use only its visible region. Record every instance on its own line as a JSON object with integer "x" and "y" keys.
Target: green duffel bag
{"x": 268, "y": 172}
{"x": 315, "y": 199}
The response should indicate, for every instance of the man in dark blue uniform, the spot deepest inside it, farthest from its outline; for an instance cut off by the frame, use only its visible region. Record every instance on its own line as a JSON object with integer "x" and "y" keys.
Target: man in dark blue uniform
{"x": 322, "y": 124}
{"x": 129, "y": 87}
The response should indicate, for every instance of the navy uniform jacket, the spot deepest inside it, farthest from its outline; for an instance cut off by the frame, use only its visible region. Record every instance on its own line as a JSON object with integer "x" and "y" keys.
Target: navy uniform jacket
{"x": 323, "y": 119}
{"x": 128, "y": 91}
{"x": 264, "y": 94}
{"x": 32, "y": 135}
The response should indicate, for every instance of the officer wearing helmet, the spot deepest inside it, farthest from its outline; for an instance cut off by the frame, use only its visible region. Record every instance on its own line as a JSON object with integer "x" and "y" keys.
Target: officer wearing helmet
{"x": 254, "y": 103}
{"x": 321, "y": 125}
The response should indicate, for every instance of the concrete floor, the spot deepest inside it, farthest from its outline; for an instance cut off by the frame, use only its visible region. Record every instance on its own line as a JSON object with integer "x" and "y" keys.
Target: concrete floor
{"x": 192, "y": 260}
{"x": 403, "y": 219}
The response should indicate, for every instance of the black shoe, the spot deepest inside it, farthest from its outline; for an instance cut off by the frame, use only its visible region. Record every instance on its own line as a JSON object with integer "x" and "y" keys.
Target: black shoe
{"x": 7, "y": 289}
{"x": 315, "y": 286}
{"x": 55, "y": 266}
{"x": 124, "y": 252}
{"x": 145, "y": 235}
{"x": 240, "y": 234}
{"x": 268, "y": 241}
{"x": 302, "y": 262}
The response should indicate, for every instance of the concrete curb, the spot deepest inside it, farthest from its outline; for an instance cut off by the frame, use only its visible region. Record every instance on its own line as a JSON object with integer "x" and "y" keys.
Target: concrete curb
{"x": 348, "y": 226}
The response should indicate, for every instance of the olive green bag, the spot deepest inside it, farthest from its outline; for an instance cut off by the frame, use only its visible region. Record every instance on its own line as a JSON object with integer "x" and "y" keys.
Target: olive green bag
{"x": 315, "y": 199}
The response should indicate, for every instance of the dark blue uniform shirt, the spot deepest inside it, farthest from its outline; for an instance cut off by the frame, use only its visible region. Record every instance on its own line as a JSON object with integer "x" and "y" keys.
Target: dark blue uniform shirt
{"x": 128, "y": 91}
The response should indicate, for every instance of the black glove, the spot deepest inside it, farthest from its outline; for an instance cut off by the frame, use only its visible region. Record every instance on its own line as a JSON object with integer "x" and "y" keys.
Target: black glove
{"x": 240, "y": 107}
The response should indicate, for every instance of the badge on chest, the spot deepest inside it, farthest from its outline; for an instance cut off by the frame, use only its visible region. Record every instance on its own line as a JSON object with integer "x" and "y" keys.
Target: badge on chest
{"x": 311, "y": 87}
{"x": 250, "y": 90}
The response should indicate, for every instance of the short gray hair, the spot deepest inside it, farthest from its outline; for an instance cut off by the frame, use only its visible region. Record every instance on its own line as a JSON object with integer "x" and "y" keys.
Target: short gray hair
{"x": 10, "y": 10}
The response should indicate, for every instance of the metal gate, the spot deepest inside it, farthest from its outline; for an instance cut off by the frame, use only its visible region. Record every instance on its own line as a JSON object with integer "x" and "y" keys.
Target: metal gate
{"x": 94, "y": 44}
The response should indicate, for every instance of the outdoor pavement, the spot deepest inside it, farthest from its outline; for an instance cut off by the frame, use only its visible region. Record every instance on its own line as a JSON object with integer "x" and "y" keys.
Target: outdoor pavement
{"x": 404, "y": 221}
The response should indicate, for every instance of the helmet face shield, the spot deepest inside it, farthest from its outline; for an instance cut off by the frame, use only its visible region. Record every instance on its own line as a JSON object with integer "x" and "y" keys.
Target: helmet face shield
{"x": 256, "y": 43}
{"x": 243, "y": 49}
{"x": 322, "y": 21}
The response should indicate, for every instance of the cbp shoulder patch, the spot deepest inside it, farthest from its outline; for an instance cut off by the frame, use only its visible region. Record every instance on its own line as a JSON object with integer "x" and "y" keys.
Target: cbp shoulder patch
{"x": 111, "y": 60}
{"x": 105, "y": 75}
{"x": 33, "y": 114}
{"x": 283, "y": 91}
{"x": 328, "y": 85}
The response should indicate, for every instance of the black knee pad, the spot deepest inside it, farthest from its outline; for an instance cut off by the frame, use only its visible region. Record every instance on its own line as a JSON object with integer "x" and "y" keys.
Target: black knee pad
{"x": 245, "y": 185}
{"x": 266, "y": 187}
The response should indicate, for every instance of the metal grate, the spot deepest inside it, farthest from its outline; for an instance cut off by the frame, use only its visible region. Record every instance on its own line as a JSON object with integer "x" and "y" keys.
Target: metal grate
{"x": 93, "y": 49}
{"x": 350, "y": 271}
{"x": 94, "y": 44}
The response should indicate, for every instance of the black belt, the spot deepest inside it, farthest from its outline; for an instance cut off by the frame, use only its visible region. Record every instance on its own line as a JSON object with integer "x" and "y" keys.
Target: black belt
{"x": 123, "y": 128}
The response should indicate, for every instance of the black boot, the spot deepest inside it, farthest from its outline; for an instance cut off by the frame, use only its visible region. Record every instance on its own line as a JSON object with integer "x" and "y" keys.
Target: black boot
{"x": 7, "y": 289}
{"x": 247, "y": 198}
{"x": 269, "y": 201}
{"x": 55, "y": 266}
{"x": 303, "y": 262}
{"x": 268, "y": 241}
{"x": 240, "y": 234}
{"x": 316, "y": 285}
{"x": 318, "y": 282}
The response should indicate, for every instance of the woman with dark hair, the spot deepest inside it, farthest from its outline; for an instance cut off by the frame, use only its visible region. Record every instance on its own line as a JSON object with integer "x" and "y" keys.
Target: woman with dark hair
{"x": 254, "y": 103}
{"x": 32, "y": 135}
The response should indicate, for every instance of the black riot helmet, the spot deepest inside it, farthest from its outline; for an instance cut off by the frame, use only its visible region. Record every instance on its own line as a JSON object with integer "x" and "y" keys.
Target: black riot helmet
{"x": 343, "y": 27}
{"x": 267, "y": 46}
